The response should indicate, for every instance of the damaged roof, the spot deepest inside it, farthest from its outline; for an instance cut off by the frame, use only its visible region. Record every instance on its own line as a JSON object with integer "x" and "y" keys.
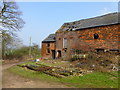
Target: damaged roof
{"x": 103, "y": 20}
{"x": 50, "y": 38}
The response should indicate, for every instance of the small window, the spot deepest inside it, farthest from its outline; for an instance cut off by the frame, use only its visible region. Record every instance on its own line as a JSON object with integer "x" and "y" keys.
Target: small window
{"x": 48, "y": 51}
{"x": 99, "y": 50}
{"x": 96, "y": 36}
{"x": 48, "y": 44}
{"x": 59, "y": 38}
{"x": 65, "y": 43}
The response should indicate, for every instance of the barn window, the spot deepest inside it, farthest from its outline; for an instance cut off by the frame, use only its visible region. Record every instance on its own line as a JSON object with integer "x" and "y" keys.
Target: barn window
{"x": 59, "y": 38}
{"x": 48, "y": 44}
{"x": 96, "y": 36}
{"x": 64, "y": 42}
{"x": 48, "y": 50}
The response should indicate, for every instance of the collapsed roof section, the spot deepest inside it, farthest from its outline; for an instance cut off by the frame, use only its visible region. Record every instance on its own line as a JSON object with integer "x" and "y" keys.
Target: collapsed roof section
{"x": 103, "y": 20}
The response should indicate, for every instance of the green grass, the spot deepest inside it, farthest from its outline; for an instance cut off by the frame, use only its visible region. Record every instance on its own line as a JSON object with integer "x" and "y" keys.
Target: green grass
{"x": 93, "y": 80}
{"x": 31, "y": 74}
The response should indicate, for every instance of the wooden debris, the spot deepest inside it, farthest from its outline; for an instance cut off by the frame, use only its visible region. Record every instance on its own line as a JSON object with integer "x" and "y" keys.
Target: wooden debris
{"x": 55, "y": 71}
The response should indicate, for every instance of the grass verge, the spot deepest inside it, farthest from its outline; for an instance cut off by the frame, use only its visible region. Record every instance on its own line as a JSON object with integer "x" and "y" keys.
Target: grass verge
{"x": 93, "y": 80}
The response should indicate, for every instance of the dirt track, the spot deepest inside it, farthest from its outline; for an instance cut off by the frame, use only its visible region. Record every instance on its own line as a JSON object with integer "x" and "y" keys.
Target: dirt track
{"x": 10, "y": 80}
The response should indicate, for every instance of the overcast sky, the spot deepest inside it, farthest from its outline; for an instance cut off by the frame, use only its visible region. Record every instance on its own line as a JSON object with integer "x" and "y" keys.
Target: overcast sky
{"x": 44, "y": 18}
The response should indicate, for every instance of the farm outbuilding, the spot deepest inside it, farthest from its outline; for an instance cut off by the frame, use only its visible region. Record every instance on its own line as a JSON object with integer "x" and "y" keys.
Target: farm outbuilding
{"x": 100, "y": 33}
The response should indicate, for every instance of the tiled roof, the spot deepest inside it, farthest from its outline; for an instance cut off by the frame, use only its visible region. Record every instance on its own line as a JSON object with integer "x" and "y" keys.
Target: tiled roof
{"x": 107, "y": 19}
{"x": 50, "y": 38}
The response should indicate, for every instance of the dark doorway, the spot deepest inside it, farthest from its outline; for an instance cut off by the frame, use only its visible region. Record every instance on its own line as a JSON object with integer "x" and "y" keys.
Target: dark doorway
{"x": 53, "y": 54}
{"x": 59, "y": 54}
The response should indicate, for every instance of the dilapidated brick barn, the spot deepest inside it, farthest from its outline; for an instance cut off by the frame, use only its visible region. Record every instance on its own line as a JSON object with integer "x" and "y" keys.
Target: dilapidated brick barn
{"x": 48, "y": 47}
{"x": 93, "y": 34}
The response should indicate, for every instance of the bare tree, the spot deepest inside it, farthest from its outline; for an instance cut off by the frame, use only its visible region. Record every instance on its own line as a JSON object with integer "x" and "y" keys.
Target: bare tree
{"x": 10, "y": 17}
{"x": 10, "y": 22}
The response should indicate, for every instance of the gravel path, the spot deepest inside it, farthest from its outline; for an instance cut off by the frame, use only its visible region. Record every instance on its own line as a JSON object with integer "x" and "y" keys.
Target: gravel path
{"x": 10, "y": 80}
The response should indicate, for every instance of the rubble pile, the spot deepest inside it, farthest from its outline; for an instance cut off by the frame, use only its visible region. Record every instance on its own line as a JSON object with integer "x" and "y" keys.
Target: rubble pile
{"x": 99, "y": 62}
{"x": 58, "y": 72}
{"x": 85, "y": 63}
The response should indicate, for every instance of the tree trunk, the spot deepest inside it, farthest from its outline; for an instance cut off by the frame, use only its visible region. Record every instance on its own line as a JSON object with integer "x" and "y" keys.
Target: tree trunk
{"x": 3, "y": 49}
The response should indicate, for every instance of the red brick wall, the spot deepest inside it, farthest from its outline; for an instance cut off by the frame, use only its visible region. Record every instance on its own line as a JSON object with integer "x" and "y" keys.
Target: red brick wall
{"x": 84, "y": 39}
{"x": 44, "y": 50}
